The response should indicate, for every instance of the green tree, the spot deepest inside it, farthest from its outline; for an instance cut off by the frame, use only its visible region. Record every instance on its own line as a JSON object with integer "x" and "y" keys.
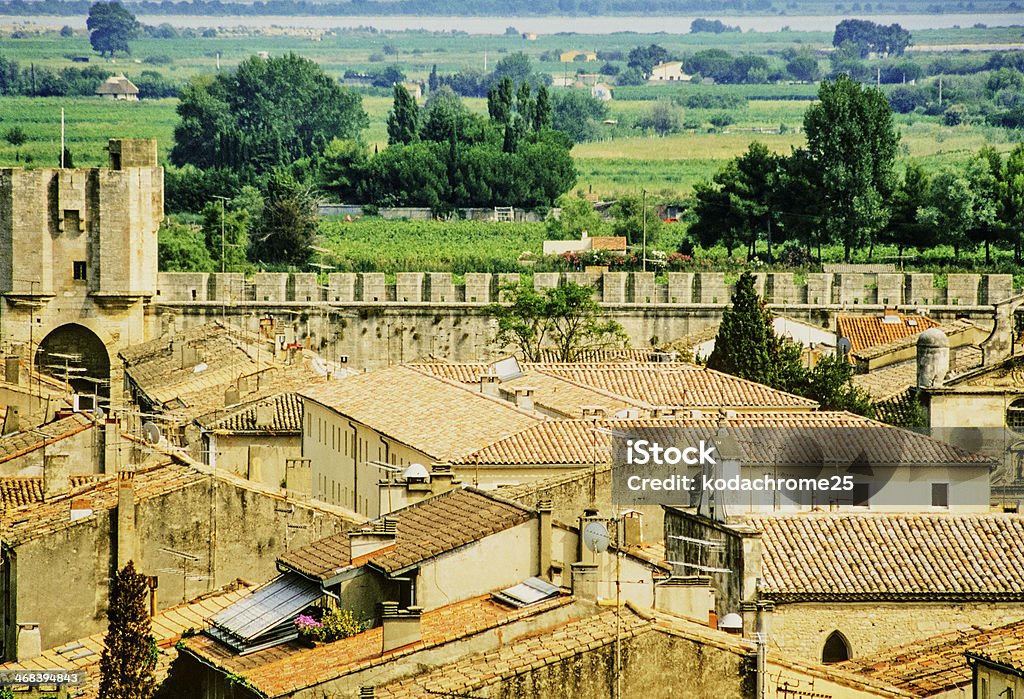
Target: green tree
{"x": 342, "y": 167}
{"x": 985, "y": 173}
{"x": 499, "y": 102}
{"x": 232, "y": 236}
{"x": 266, "y": 114}
{"x": 181, "y": 248}
{"x": 746, "y": 344}
{"x": 404, "y": 118}
{"x": 542, "y": 109}
{"x": 1011, "y": 204}
{"x": 565, "y": 319}
{"x": 853, "y": 141}
{"x": 628, "y": 216}
{"x": 830, "y": 383}
{"x": 287, "y": 228}
{"x": 644, "y": 58}
{"x": 578, "y": 114}
{"x": 950, "y": 208}
{"x": 905, "y": 229}
{"x": 17, "y": 137}
{"x": 577, "y": 215}
{"x": 130, "y": 653}
{"x": 110, "y": 27}
{"x": 663, "y": 117}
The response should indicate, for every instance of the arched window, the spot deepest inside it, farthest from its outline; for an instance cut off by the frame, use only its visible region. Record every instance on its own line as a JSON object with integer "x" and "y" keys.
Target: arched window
{"x": 1015, "y": 416}
{"x": 836, "y": 649}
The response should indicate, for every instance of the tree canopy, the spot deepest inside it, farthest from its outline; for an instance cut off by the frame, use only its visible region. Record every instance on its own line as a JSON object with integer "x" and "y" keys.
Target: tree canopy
{"x": 853, "y": 142}
{"x": 564, "y": 318}
{"x": 110, "y": 27}
{"x": 869, "y": 37}
{"x": 266, "y": 114}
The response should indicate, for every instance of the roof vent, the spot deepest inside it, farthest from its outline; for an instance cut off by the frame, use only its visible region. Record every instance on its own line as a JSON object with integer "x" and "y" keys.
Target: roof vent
{"x": 416, "y": 473}
{"x": 731, "y": 623}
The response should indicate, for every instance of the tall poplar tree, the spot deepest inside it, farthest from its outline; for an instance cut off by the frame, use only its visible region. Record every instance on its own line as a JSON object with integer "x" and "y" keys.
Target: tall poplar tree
{"x": 404, "y": 118}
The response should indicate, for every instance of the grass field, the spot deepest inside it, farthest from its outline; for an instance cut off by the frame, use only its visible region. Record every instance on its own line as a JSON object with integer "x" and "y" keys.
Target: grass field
{"x": 626, "y": 161}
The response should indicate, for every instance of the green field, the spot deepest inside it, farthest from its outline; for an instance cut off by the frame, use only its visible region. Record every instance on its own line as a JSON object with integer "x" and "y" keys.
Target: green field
{"x": 624, "y": 161}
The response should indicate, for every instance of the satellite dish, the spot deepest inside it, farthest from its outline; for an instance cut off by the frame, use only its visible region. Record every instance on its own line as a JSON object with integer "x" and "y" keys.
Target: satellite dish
{"x": 150, "y": 432}
{"x": 843, "y": 345}
{"x": 595, "y": 537}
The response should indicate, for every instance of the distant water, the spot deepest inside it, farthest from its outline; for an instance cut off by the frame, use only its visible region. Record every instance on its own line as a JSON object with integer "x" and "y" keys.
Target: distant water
{"x": 650, "y": 24}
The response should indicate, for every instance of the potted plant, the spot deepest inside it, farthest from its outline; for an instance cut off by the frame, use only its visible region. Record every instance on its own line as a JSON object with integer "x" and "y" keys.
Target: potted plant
{"x": 310, "y": 630}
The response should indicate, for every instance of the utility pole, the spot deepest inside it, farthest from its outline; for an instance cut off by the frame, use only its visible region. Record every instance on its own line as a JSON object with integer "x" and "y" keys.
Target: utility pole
{"x": 222, "y": 245}
{"x": 643, "y": 217}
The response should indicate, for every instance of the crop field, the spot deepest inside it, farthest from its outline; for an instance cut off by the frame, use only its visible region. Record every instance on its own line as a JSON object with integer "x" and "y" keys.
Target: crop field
{"x": 376, "y": 245}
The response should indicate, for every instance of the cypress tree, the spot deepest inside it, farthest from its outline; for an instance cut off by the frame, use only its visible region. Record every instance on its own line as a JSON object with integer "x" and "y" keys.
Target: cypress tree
{"x": 746, "y": 345}
{"x": 404, "y": 119}
{"x": 126, "y": 666}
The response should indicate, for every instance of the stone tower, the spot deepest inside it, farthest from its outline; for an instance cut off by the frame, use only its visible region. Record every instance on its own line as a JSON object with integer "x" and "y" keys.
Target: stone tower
{"x": 78, "y": 257}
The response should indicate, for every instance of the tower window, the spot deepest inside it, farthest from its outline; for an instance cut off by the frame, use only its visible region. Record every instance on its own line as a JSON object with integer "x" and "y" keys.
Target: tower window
{"x": 79, "y": 270}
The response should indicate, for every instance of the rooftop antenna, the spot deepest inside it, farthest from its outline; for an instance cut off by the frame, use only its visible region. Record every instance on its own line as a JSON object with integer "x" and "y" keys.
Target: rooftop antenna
{"x": 185, "y": 559}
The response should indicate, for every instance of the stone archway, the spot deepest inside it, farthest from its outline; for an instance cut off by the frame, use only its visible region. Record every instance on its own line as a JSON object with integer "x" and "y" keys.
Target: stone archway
{"x": 79, "y": 350}
{"x": 836, "y": 648}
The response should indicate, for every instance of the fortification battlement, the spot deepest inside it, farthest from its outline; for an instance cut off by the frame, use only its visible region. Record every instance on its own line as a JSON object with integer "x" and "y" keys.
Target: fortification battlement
{"x": 83, "y": 230}
{"x": 702, "y": 288}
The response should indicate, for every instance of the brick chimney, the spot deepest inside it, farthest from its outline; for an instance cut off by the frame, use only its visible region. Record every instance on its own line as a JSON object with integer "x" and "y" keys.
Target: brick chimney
{"x": 489, "y": 384}
{"x": 366, "y": 541}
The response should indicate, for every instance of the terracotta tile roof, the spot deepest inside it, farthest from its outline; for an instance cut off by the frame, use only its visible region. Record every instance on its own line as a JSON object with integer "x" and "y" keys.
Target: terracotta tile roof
{"x": 952, "y": 328}
{"x": 683, "y": 385}
{"x": 285, "y": 411}
{"x": 866, "y": 331}
{"x": 439, "y": 418}
{"x": 470, "y": 675}
{"x": 892, "y": 556}
{"x": 615, "y": 243}
{"x": 18, "y": 491}
{"x": 937, "y": 664}
{"x": 763, "y": 438}
{"x": 33, "y": 520}
{"x": 21, "y": 443}
{"x": 290, "y": 667}
{"x": 222, "y": 356}
{"x": 424, "y": 530}
{"x": 648, "y": 384}
{"x": 562, "y": 397}
{"x": 888, "y": 381}
{"x": 168, "y": 626}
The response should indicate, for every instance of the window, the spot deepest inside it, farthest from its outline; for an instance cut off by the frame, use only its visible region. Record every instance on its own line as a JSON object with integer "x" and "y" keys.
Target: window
{"x": 983, "y": 687}
{"x": 861, "y": 494}
{"x": 1015, "y": 416}
{"x": 940, "y": 494}
{"x": 79, "y": 270}
{"x": 836, "y": 648}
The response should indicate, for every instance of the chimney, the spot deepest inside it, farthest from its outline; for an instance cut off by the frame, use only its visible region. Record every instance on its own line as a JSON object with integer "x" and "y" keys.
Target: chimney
{"x": 401, "y": 627}
{"x": 56, "y": 476}
{"x": 80, "y": 508}
{"x": 12, "y": 423}
{"x": 111, "y": 448}
{"x": 189, "y": 356}
{"x": 125, "y": 518}
{"x": 367, "y": 692}
{"x": 932, "y": 358}
{"x": 231, "y": 395}
{"x": 524, "y": 397}
{"x": 489, "y": 384}
{"x": 442, "y": 478}
{"x": 12, "y": 369}
{"x": 592, "y": 411}
{"x": 544, "y": 532}
{"x": 298, "y": 476}
{"x": 30, "y": 642}
{"x": 584, "y": 581}
{"x": 365, "y": 542}
{"x": 265, "y": 415}
{"x": 633, "y": 531}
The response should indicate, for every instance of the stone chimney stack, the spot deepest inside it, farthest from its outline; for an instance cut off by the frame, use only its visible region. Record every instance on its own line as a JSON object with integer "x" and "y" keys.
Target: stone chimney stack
{"x": 401, "y": 626}
{"x": 932, "y": 358}
{"x": 56, "y": 476}
{"x": 544, "y": 531}
{"x": 125, "y": 517}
